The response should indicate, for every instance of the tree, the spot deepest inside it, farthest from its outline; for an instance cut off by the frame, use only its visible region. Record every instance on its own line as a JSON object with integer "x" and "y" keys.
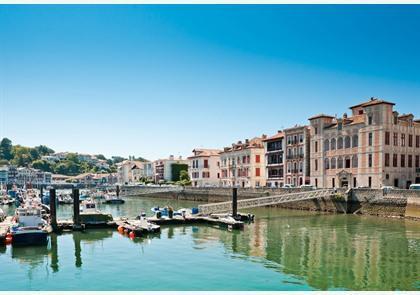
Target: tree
{"x": 21, "y": 155}
{"x": 43, "y": 165}
{"x": 44, "y": 150}
{"x": 183, "y": 176}
{"x": 6, "y": 149}
{"x": 176, "y": 169}
{"x": 101, "y": 157}
{"x": 4, "y": 163}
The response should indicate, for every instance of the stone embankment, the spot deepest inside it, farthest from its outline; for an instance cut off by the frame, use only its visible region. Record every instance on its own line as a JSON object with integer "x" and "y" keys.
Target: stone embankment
{"x": 393, "y": 203}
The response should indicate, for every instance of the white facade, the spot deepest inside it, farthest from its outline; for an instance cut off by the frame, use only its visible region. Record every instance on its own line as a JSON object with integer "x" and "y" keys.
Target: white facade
{"x": 204, "y": 167}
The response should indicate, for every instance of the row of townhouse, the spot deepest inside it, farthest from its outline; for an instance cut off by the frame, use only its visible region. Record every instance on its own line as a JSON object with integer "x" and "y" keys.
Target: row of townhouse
{"x": 373, "y": 147}
{"x": 24, "y": 176}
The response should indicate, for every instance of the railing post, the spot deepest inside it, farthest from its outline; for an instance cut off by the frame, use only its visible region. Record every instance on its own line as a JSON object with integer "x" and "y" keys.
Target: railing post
{"x": 234, "y": 201}
{"x": 53, "y": 210}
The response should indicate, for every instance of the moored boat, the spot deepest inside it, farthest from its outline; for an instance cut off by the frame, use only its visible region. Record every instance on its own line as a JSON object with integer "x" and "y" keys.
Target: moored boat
{"x": 90, "y": 215}
{"x": 29, "y": 227}
{"x": 113, "y": 199}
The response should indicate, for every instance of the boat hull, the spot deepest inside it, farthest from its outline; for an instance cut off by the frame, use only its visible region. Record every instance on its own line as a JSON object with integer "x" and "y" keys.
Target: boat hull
{"x": 29, "y": 238}
{"x": 118, "y": 201}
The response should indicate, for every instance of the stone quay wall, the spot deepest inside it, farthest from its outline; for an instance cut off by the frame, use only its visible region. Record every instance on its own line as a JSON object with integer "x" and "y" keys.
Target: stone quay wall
{"x": 392, "y": 203}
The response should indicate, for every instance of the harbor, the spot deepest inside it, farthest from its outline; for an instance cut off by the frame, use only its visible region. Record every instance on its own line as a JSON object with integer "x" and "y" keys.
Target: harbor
{"x": 281, "y": 250}
{"x": 36, "y": 216}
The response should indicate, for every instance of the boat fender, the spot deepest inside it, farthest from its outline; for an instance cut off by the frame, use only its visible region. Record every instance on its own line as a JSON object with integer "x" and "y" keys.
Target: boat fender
{"x": 9, "y": 238}
{"x": 132, "y": 235}
{"x": 120, "y": 229}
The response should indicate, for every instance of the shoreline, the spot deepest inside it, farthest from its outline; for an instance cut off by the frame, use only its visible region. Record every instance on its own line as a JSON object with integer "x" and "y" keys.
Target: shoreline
{"x": 403, "y": 204}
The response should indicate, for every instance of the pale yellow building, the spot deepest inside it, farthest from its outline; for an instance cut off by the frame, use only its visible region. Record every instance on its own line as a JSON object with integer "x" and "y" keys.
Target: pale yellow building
{"x": 243, "y": 164}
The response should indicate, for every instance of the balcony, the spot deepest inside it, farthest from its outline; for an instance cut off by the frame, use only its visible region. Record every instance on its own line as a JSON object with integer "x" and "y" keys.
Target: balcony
{"x": 292, "y": 157}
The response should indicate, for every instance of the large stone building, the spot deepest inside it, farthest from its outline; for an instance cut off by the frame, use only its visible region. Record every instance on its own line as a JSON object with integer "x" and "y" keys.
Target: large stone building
{"x": 274, "y": 159}
{"x": 373, "y": 147}
{"x": 204, "y": 167}
{"x": 297, "y": 164}
{"x": 243, "y": 164}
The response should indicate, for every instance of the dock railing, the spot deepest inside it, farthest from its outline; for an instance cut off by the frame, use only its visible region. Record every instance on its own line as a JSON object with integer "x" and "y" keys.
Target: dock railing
{"x": 265, "y": 201}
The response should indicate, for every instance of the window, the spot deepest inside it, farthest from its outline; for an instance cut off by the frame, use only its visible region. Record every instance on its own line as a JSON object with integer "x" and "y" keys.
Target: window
{"x": 316, "y": 182}
{"x": 410, "y": 161}
{"x": 402, "y": 139}
{"x": 417, "y": 141}
{"x": 257, "y": 159}
{"x": 333, "y": 163}
{"x": 355, "y": 141}
{"x": 417, "y": 161}
{"x": 333, "y": 182}
{"x": 370, "y": 141}
{"x": 370, "y": 164}
{"x": 354, "y": 182}
{"x": 316, "y": 165}
{"x": 370, "y": 119}
{"x": 386, "y": 160}
{"x": 332, "y": 144}
{"x": 347, "y": 162}
{"x": 355, "y": 161}
{"x": 347, "y": 143}
{"x": 339, "y": 143}
{"x": 316, "y": 146}
{"x": 206, "y": 163}
{"x": 326, "y": 145}
{"x": 395, "y": 119}
{"x": 395, "y": 160}
{"x": 387, "y": 137}
{"x": 327, "y": 164}
{"x": 340, "y": 162}
{"x": 370, "y": 181}
{"x": 395, "y": 139}
{"x": 410, "y": 140}
{"x": 402, "y": 160}
{"x": 257, "y": 172}
{"x": 316, "y": 130}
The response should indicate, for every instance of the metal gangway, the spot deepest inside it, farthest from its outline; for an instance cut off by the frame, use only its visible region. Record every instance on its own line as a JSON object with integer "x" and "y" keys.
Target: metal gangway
{"x": 265, "y": 201}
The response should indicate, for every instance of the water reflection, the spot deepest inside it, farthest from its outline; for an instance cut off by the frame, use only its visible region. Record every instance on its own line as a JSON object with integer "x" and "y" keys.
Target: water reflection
{"x": 330, "y": 251}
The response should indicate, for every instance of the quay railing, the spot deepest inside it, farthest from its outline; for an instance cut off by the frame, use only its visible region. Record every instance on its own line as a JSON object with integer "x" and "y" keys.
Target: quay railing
{"x": 265, "y": 201}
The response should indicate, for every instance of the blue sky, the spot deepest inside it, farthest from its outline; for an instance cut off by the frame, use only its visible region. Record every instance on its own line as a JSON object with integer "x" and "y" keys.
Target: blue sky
{"x": 157, "y": 80}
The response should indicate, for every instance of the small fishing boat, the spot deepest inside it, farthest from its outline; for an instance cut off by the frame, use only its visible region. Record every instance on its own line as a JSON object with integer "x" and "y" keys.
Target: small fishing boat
{"x": 29, "y": 227}
{"x": 113, "y": 199}
{"x": 90, "y": 215}
{"x": 65, "y": 199}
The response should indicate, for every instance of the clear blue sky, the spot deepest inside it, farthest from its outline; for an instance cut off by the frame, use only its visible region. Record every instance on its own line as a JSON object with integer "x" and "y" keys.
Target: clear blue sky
{"x": 157, "y": 80}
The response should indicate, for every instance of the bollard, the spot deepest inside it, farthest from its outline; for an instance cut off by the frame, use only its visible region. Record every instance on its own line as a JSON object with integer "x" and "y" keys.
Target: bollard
{"x": 76, "y": 207}
{"x": 234, "y": 202}
{"x": 118, "y": 190}
{"x": 53, "y": 209}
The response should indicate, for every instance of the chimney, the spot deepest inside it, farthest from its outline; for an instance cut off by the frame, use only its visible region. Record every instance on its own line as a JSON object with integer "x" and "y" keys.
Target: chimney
{"x": 264, "y": 136}
{"x": 246, "y": 140}
{"x": 345, "y": 116}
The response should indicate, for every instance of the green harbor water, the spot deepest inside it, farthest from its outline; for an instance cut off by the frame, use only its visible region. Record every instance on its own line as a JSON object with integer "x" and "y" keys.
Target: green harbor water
{"x": 281, "y": 250}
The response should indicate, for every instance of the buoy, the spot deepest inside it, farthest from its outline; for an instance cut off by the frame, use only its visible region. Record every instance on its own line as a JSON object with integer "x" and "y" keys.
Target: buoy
{"x": 132, "y": 235}
{"x": 120, "y": 229}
